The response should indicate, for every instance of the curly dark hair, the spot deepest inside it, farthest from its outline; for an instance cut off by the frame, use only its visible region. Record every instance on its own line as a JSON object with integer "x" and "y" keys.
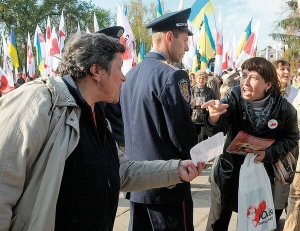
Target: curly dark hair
{"x": 83, "y": 50}
{"x": 267, "y": 71}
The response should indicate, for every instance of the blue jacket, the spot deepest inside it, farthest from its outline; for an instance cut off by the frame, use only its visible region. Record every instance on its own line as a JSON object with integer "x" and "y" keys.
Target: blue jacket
{"x": 155, "y": 102}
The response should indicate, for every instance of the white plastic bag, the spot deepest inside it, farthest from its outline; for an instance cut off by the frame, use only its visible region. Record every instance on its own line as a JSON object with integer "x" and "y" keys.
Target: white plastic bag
{"x": 255, "y": 201}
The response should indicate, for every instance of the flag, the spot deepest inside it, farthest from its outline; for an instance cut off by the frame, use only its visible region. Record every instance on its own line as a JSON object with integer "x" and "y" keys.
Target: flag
{"x": 4, "y": 85}
{"x": 39, "y": 43}
{"x": 159, "y": 11}
{"x": 125, "y": 10}
{"x": 249, "y": 48}
{"x": 54, "y": 53}
{"x": 7, "y": 64}
{"x": 87, "y": 30}
{"x": 128, "y": 40}
{"x": 219, "y": 47}
{"x": 24, "y": 73}
{"x": 244, "y": 38}
{"x": 47, "y": 60}
{"x": 188, "y": 57}
{"x": 225, "y": 64}
{"x": 62, "y": 33}
{"x": 195, "y": 66}
{"x": 12, "y": 49}
{"x": 206, "y": 44}
{"x": 30, "y": 58}
{"x": 78, "y": 29}
{"x": 198, "y": 9}
{"x": 180, "y": 6}
{"x": 96, "y": 26}
{"x": 142, "y": 53}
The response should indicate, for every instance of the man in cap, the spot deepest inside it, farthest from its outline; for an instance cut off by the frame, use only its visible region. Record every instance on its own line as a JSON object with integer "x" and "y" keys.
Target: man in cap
{"x": 155, "y": 103}
{"x": 113, "y": 111}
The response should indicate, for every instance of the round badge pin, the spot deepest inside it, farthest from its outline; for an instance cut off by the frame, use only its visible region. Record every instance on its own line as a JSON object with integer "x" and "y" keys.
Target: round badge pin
{"x": 272, "y": 124}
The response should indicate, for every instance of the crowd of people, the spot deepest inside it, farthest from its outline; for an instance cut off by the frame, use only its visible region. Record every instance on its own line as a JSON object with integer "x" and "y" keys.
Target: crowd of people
{"x": 61, "y": 165}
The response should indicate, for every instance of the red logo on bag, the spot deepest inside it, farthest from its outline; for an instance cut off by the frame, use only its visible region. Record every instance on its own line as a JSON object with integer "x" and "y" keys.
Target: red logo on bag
{"x": 254, "y": 214}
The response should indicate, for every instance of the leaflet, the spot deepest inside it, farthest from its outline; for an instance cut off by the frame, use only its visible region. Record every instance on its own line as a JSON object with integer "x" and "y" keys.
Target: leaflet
{"x": 208, "y": 149}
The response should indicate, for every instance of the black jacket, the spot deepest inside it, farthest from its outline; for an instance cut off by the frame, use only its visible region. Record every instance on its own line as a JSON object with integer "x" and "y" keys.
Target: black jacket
{"x": 286, "y": 136}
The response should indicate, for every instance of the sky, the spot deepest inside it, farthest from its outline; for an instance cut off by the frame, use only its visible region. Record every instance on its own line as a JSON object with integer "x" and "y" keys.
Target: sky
{"x": 236, "y": 15}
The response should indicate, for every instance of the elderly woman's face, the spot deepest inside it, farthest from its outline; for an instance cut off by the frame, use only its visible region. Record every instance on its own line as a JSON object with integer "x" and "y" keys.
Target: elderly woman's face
{"x": 253, "y": 86}
{"x": 113, "y": 81}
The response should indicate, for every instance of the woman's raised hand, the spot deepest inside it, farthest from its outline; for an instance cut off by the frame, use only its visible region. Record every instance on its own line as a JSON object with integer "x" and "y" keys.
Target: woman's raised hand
{"x": 215, "y": 109}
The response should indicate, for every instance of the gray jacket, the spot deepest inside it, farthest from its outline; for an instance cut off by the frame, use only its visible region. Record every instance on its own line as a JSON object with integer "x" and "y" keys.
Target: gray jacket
{"x": 39, "y": 130}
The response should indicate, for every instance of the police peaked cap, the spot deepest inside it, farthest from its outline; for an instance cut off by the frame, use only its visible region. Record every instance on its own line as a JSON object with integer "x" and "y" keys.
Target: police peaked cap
{"x": 173, "y": 20}
{"x": 114, "y": 31}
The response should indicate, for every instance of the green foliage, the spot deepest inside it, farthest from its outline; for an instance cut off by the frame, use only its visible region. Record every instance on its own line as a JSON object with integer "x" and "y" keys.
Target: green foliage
{"x": 290, "y": 36}
{"x": 24, "y": 16}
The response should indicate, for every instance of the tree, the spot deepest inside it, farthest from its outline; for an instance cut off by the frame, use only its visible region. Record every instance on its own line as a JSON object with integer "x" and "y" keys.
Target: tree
{"x": 24, "y": 16}
{"x": 290, "y": 35}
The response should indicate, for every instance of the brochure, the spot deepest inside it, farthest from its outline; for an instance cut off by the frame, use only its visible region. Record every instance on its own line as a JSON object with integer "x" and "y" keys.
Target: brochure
{"x": 244, "y": 143}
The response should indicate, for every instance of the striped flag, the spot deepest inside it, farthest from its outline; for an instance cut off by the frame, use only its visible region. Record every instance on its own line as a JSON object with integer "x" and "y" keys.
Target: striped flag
{"x": 206, "y": 44}
{"x": 245, "y": 36}
{"x": 40, "y": 47}
{"x": 198, "y": 9}
{"x": 12, "y": 49}
{"x": 249, "y": 48}
{"x": 159, "y": 11}
{"x": 142, "y": 53}
{"x": 7, "y": 64}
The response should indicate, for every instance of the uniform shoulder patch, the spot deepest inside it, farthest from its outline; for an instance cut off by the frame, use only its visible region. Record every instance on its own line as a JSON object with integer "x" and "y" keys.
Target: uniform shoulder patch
{"x": 184, "y": 89}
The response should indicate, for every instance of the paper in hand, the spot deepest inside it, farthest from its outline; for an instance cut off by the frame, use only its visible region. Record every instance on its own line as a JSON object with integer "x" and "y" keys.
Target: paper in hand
{"x": 208, "y": 149}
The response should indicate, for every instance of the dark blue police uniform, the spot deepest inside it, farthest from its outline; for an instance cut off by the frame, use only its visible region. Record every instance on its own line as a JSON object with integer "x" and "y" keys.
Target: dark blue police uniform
{"x": 155, "y": 102}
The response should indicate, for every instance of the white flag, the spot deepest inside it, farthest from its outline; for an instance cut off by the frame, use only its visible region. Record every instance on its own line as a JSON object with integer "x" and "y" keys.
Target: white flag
{"x": 78, "y": 29}
{"x": 7, "y": 64}
{"x": 30, "y": 58}
{"x": 128, "y": 40}
{"x": 96, "y": 26}
{"x": 62, "y": 33}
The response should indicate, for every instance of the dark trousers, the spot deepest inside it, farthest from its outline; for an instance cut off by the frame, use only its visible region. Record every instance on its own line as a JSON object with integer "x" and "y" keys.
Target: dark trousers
{"x": 159, "y": 217}
{"x": 223, "y": 222}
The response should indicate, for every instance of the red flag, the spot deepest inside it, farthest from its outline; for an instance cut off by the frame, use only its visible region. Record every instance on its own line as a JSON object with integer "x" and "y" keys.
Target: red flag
{"x": 219, "y": 47}
{"x": 4, "y": 87}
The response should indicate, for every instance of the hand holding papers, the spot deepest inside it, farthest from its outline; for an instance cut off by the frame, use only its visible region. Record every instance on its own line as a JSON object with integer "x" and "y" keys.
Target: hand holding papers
{"x": 208, "y": 149}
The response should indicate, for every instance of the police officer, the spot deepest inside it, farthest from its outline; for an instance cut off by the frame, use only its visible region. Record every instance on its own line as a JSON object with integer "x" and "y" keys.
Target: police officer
{"x": 156, "y": 114}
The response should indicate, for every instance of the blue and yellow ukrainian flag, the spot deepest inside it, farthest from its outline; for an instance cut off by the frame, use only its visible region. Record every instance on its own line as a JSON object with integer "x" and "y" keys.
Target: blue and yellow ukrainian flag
{"x": 142, "y": 53}
{"x": 39, "y": 59}
{"x": 159, "y": 11}
{"x": 198, "y": 9}
{"x": 195, "y": 66}
{"x": 12, "y": 49}
{"x": 244, "y": 38}
{"x": 206, "y": 44}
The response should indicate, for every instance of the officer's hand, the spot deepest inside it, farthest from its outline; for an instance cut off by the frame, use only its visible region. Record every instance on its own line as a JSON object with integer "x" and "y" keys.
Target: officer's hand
{"x": 187, "y": 171}
{"x": 215, "y": 109}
